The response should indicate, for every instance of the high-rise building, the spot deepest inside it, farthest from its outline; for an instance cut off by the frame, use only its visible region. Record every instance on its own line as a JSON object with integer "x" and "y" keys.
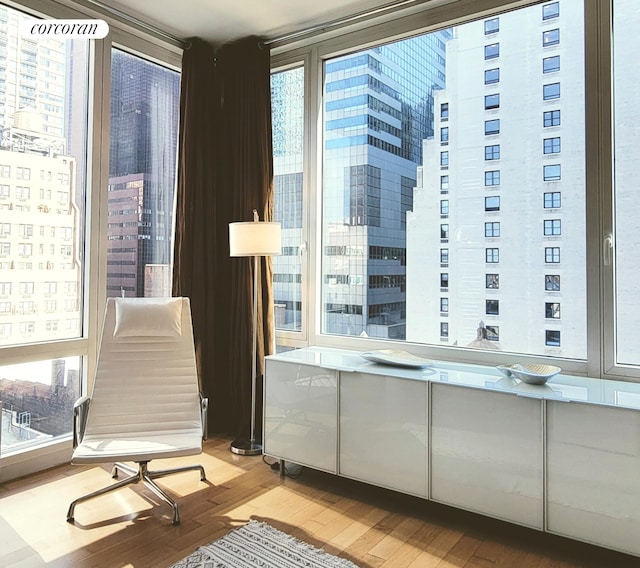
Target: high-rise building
{"x": 496, "y": 239}
{"x": 40, "y": 209}
{"x": 142, "y": 169}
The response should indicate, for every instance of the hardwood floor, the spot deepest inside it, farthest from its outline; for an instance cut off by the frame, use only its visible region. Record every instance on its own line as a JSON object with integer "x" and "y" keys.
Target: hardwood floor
{"x": 370, "y": 526}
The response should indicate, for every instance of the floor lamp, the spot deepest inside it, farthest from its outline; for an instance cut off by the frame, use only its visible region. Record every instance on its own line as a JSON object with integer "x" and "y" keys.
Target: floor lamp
{"x": 253, "y": 239}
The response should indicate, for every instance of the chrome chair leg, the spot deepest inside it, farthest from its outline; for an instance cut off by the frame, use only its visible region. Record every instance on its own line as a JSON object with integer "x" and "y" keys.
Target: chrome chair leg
{"x": 128, "y": 481}
{"x": 162, "y": 472}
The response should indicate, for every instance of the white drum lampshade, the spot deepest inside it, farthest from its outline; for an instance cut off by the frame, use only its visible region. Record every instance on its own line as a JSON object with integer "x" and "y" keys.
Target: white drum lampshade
{"x": 254, "y": 238}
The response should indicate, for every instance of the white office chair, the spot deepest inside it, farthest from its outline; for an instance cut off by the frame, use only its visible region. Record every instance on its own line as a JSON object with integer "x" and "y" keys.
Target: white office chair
{"x": 146, "y": 402}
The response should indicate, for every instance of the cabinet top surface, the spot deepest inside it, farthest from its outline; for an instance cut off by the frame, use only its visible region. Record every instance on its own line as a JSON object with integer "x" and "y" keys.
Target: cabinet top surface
{"x": 567, "y": 388}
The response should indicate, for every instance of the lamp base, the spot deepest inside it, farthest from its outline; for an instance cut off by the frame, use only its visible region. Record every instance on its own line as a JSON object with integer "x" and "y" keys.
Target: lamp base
{"x": 246, "y": 447}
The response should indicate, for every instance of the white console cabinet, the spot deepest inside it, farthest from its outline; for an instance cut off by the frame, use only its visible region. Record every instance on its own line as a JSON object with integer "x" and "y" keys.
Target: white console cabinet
{"x": 486, "y": 453}
{"x": 301, "y": 414}
{"x": 563, "y": 457}
{"x": 593, "y": 474}
{"x": 384, "y": 431}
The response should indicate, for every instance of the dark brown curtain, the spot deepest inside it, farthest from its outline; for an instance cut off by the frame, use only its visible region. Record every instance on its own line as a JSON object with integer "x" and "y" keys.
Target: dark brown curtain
{"x": 225, "y": 171}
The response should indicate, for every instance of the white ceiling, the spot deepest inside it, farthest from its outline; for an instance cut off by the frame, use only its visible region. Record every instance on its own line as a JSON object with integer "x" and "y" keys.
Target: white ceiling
{"x": 219, "y": 21}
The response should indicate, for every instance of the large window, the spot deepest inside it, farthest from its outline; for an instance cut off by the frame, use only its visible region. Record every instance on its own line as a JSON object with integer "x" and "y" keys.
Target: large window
{"x": 42, "y": 254}
{"x": 76, "y": 227}
{"x": 391, "y": 225}
{"x": 287, "y": 101}
{"x": 626, "y": 199}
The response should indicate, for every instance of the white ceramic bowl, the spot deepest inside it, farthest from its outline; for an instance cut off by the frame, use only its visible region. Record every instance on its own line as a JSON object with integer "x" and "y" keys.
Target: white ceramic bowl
{"x": 533, "y": 374}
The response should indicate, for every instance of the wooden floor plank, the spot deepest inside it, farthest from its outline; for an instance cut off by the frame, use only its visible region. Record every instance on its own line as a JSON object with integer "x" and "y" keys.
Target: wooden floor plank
{"x": 370, "y": 526}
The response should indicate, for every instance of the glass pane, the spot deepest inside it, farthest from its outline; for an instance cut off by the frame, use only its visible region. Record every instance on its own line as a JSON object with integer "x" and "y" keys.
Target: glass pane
{"x": 43, "y": 111}
{"x": 382, "y": 187}
{"x": 626, "y": 19}
{"x": 145, "y": 100}
{"x": 29, "y": 417}
{"x": 287, "y": 103}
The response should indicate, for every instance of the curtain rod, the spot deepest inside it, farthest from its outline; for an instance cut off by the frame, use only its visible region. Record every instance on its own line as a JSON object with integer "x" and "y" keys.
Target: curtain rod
{"x": 129, "y": 19}
{"x": 392, "y": 6}
{"x": 183, "y": 43}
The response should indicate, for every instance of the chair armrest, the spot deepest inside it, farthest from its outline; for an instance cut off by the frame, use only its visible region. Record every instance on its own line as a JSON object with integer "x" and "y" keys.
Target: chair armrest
{"x": 80, "y": 413}
{"x": 204, "y": 407}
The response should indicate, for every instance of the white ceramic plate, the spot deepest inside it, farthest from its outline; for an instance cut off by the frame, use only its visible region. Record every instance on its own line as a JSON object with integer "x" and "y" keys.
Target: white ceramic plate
{"x": 534, "y": 374}
{"x": 396, "y": 358}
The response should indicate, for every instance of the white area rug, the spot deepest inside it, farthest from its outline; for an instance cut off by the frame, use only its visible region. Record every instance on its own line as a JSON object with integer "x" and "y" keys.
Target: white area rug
{"x": 258, "y": 544}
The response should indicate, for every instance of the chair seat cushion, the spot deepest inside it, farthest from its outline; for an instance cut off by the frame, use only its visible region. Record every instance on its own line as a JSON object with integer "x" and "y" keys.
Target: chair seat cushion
{"x": 138, "y": 448}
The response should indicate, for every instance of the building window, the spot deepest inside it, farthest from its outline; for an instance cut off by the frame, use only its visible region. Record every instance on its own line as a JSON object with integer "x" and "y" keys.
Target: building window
{"x": 551, "y": 172}
{"x": 492, "y": 178}
{"x": 552, "y": 282}
{"x": 492, "y": 229}
{"x": 551, "y": 64}
{"x": 550, "y": 37}
{"x": 444, "y": 329}
{"x": 492, "y": 255}
{"x": 552, "y": 227}
{"x": 444, "y": 134}
{"x": 552, "y": 338}
{"x": 25, "y": 249}
{"x": 492, "y": 152}
{"x": 551, "y": 118}
{"x": 444, "y": 280}
{"x": 444, "y": 305}
{"x": 491, "y": 76}
{"x": 492, "y": 203}
{"x": 444, "y": 159}
{"x": 551, "y": 10}
{"x": 492, "y": 101}
{"x": 551, "y": 145}
{"x": 23, "y": 193}
{"x": 492, "y": 281}
{"x": 552, "y": 200}
{"x": 552, "y": 255}
{"x": 444, "y": 183}
{"x": 23, "y": 173}
{"x": 491, "y": 26}
{"x": 444, "y": 207}
{"x": 26, "y": 288}
{"x": 444, "y": 256}
{"x": 492, "y": 51}
{"x": 492, "y": 126}
{"x": 492, "y": 307}
{"x": 444, "y": 232}
{"x": 493, "y": 332}
{"x": 444, "y": 111}
{"x": 551, "y": 91}
{"x": 552, "y": 310}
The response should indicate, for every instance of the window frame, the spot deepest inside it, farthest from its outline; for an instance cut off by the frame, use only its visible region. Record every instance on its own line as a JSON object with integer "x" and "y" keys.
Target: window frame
{"x": 491, "y": 152}
{"x": 492, "y": 81}
{"x": 491, "y": 51}
{"x": 549, "y": 64}
{"x": 551, "y": 91}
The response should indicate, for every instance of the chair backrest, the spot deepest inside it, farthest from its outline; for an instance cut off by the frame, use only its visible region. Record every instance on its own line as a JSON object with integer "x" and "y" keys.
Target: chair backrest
{"x": 146, "y": 378}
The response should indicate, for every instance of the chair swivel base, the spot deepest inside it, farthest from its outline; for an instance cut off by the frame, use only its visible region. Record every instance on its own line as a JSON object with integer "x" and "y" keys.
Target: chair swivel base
{"x": 135, "y": 476}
